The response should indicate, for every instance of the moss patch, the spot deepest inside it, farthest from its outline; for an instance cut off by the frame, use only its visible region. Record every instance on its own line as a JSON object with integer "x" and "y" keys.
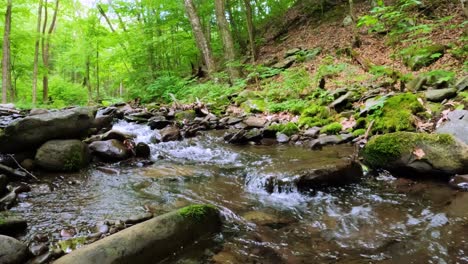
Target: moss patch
{"x": 315, "y": 115}
{"x": 396, "y": 114}
{"x": 333, "y": 128}
{"x": 196, "y": 211}
{"x": 385, "y": 149}
{"x": 288, "y": 129}
{"x": 75, "y": 159}
{"x": 359, "y": 132}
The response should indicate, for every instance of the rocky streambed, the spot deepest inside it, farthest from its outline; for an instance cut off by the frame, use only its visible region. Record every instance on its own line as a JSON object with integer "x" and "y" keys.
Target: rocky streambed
{"x": 280, "y": 203}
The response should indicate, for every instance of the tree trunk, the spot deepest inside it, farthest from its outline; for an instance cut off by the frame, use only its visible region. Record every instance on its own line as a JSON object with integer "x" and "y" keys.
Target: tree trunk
{"x": 36, "y": 53}
{"x": 6, "y": 65}
{"x": 356, "y": 42}
{"x": 87, "y": 81}
{"x": 235, "y": 29}
{"x": 228, "y": 43}
{"x": 45, "y": 51}
{"x": 97, "y": 71}
{"x": 200, "y": 39}
{"x": 250, "y": 29}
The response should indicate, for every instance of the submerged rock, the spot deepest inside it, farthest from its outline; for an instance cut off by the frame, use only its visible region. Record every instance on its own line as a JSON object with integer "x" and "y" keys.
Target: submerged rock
{"x": 171, "y": 133}
{"x": 154, "y": 240}
{"x": 417, "y": 154}
{"x": 459, "y": 182}
{"x": 62, "y": 155}
{"x": 32, "y": 131}
{"x": 12, "y": 251}
{"x": 110, "y": 150}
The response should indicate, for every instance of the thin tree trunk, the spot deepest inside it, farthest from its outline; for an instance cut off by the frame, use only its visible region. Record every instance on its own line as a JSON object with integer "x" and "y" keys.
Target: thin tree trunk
{"x": 97, "y": 71}
{"x": 87, "y": 81}
{"x": 228, "y": 43}
{"x": 200, "y": 39}
{"x": 250, "y": 29}
{"x": 45, "y": 55}
{"x": 235, "y": 29}
{"x": 6, "y": 60}
{"x": 356, "y": 42}
{"x": 36, "y": 53}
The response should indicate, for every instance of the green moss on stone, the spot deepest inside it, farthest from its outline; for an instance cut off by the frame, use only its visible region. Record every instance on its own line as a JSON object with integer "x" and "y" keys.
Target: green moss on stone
{"x": 196, "y": 211}
{"x": 359, "y": 132}
{"x": 333, "y": 128}
{"x": 315, "y": 115}
{"x": 288, "y": 129}
{"x": 385, "y": 149}
{"x": 75, "y": 159}
{"x": 185, "y": 115}
{"x": 397, "y": 114}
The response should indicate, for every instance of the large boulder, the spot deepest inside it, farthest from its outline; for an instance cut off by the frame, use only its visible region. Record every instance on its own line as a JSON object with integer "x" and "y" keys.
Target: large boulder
{"x": 150, "y": 241}
{"x": 456, "y": 125}
{"x": 417, "y": 154}
{"x": 63, "y": 155}
{"x": 32, "y": 131}
{"x": 12, "y": 251}
{"x": 110, "y": 150}
{"x": 438, "y": 95}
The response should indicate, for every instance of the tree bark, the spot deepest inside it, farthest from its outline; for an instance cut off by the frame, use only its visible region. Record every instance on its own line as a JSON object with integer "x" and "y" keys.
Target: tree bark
{"x": 45, "y": 52}
{"x": 250, "y": 29}
{"x": 6, "y": 60}
{"x": 36, "y": 53}
{"x": 226, "y": 37}
{"x": 200, "y": 39}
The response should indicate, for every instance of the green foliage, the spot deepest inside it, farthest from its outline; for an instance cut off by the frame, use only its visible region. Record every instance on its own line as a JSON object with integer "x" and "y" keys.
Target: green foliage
{"x": 315, "y": 115}
{"x": 438, "y": 77}
{"x": 288, "y": 129}
{"x": 64, "y": 93}
{"x": 333, "y": 128}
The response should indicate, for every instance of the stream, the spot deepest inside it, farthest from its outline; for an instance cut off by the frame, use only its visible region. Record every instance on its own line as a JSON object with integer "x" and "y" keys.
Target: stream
{"x": 380, "y": 220}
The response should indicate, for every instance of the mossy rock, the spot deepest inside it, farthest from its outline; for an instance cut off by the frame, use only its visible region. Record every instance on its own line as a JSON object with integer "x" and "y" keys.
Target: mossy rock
{"x": 397, "y": 114}
{"x": 254, "y": 106}
{"x": 185, "y": 115}
{"x": 333, "y": 128}
{"x": 315, "y": 115}
{"x": 288, "y": 129}
{"x": 63, "y": 155}
{"x": 418, "y": 58}
{"x": 417, "y": 154}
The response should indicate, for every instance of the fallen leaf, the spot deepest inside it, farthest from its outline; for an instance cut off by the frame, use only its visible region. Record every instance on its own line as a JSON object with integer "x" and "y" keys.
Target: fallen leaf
{"x": 419, "y": 153}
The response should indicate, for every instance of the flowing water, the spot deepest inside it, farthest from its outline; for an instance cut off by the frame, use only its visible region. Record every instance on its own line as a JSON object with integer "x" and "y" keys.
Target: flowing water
{"x": 380, "y": 220}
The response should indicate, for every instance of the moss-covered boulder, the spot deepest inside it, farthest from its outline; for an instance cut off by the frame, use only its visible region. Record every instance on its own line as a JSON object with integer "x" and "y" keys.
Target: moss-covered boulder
{"x": 63, "y": 155}
{"x": 397, "y": 114}
{"x": 418, "y": 58}
{"x": 315, "y": 115}
{"x": 417, "y": 154}
{"x": 151, "y": 241}
{"x": 254, "y": 106}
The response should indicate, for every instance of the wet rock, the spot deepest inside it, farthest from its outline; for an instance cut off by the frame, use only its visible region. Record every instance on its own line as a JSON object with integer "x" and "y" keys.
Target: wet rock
{"x": 330, "y": 140}
{"x": 102, "y": 228}
{"x": 439, "y": 95}
{"x": 43, "y": 259}
{"x": 142, "y": 150}
{"x": 110, "y": 150}
{"x": 32, "y": 131}
{"x": 67, "y": 233}
{"x": 12, "y": 251}
{"x": 266, "y": 219}
{"x": 7, "y": 201}
{"x": 12, "y": 225}
{"x": 171, "y": 133}
{"x": 62, "y": 155}
{"x": 103, "y": 122}
{"x": 340, "y": 173}
{"x": 112, "y": 134}
{"x": 136, "y": 119}
{"x": 138, "y": 218}
{"x": 282, "y": 138}
{"x": 158, "y": 122}
{"x": 418, "y": 154}
{"x": 459, "y": 182}
{"x": 456, "y": 125}
{"x": 230, "y": 121}
{"x": 255, "y": 122}
{"x": 167, "y": 233}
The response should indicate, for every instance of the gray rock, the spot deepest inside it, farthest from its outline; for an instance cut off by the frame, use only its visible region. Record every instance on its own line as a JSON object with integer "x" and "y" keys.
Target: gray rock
{"x": 337, "y": 174}
{"x": 171, "y": 133}
{"x": 167, "y": 233}
{"x": 12, "y": 251}
{"x": 110, "y": 150}
{"x": 62, "y": 155}
{"x": 341, "y": 100}
{"x": 32, "y": 131}
{"x": 158, "y": 122}
{"x": 462, "y": 84}
{"x": 255, "y": 122}
{"x": 112, "y": 134}
{"x": 417, "y": 83}
{"x": 291, "y": 52}
{"x": 330, "y": 140}
{"x": 286, "y": 63}
{"x": 457, "y": 125}
{"x": 312, "y": 132}
{"x": 439, "y": 95}
{"x": 103, "y": 122}
{"x": 347, "y": 21}
{"x": 282, "y": 138}
{"x": 38, "y": 111}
